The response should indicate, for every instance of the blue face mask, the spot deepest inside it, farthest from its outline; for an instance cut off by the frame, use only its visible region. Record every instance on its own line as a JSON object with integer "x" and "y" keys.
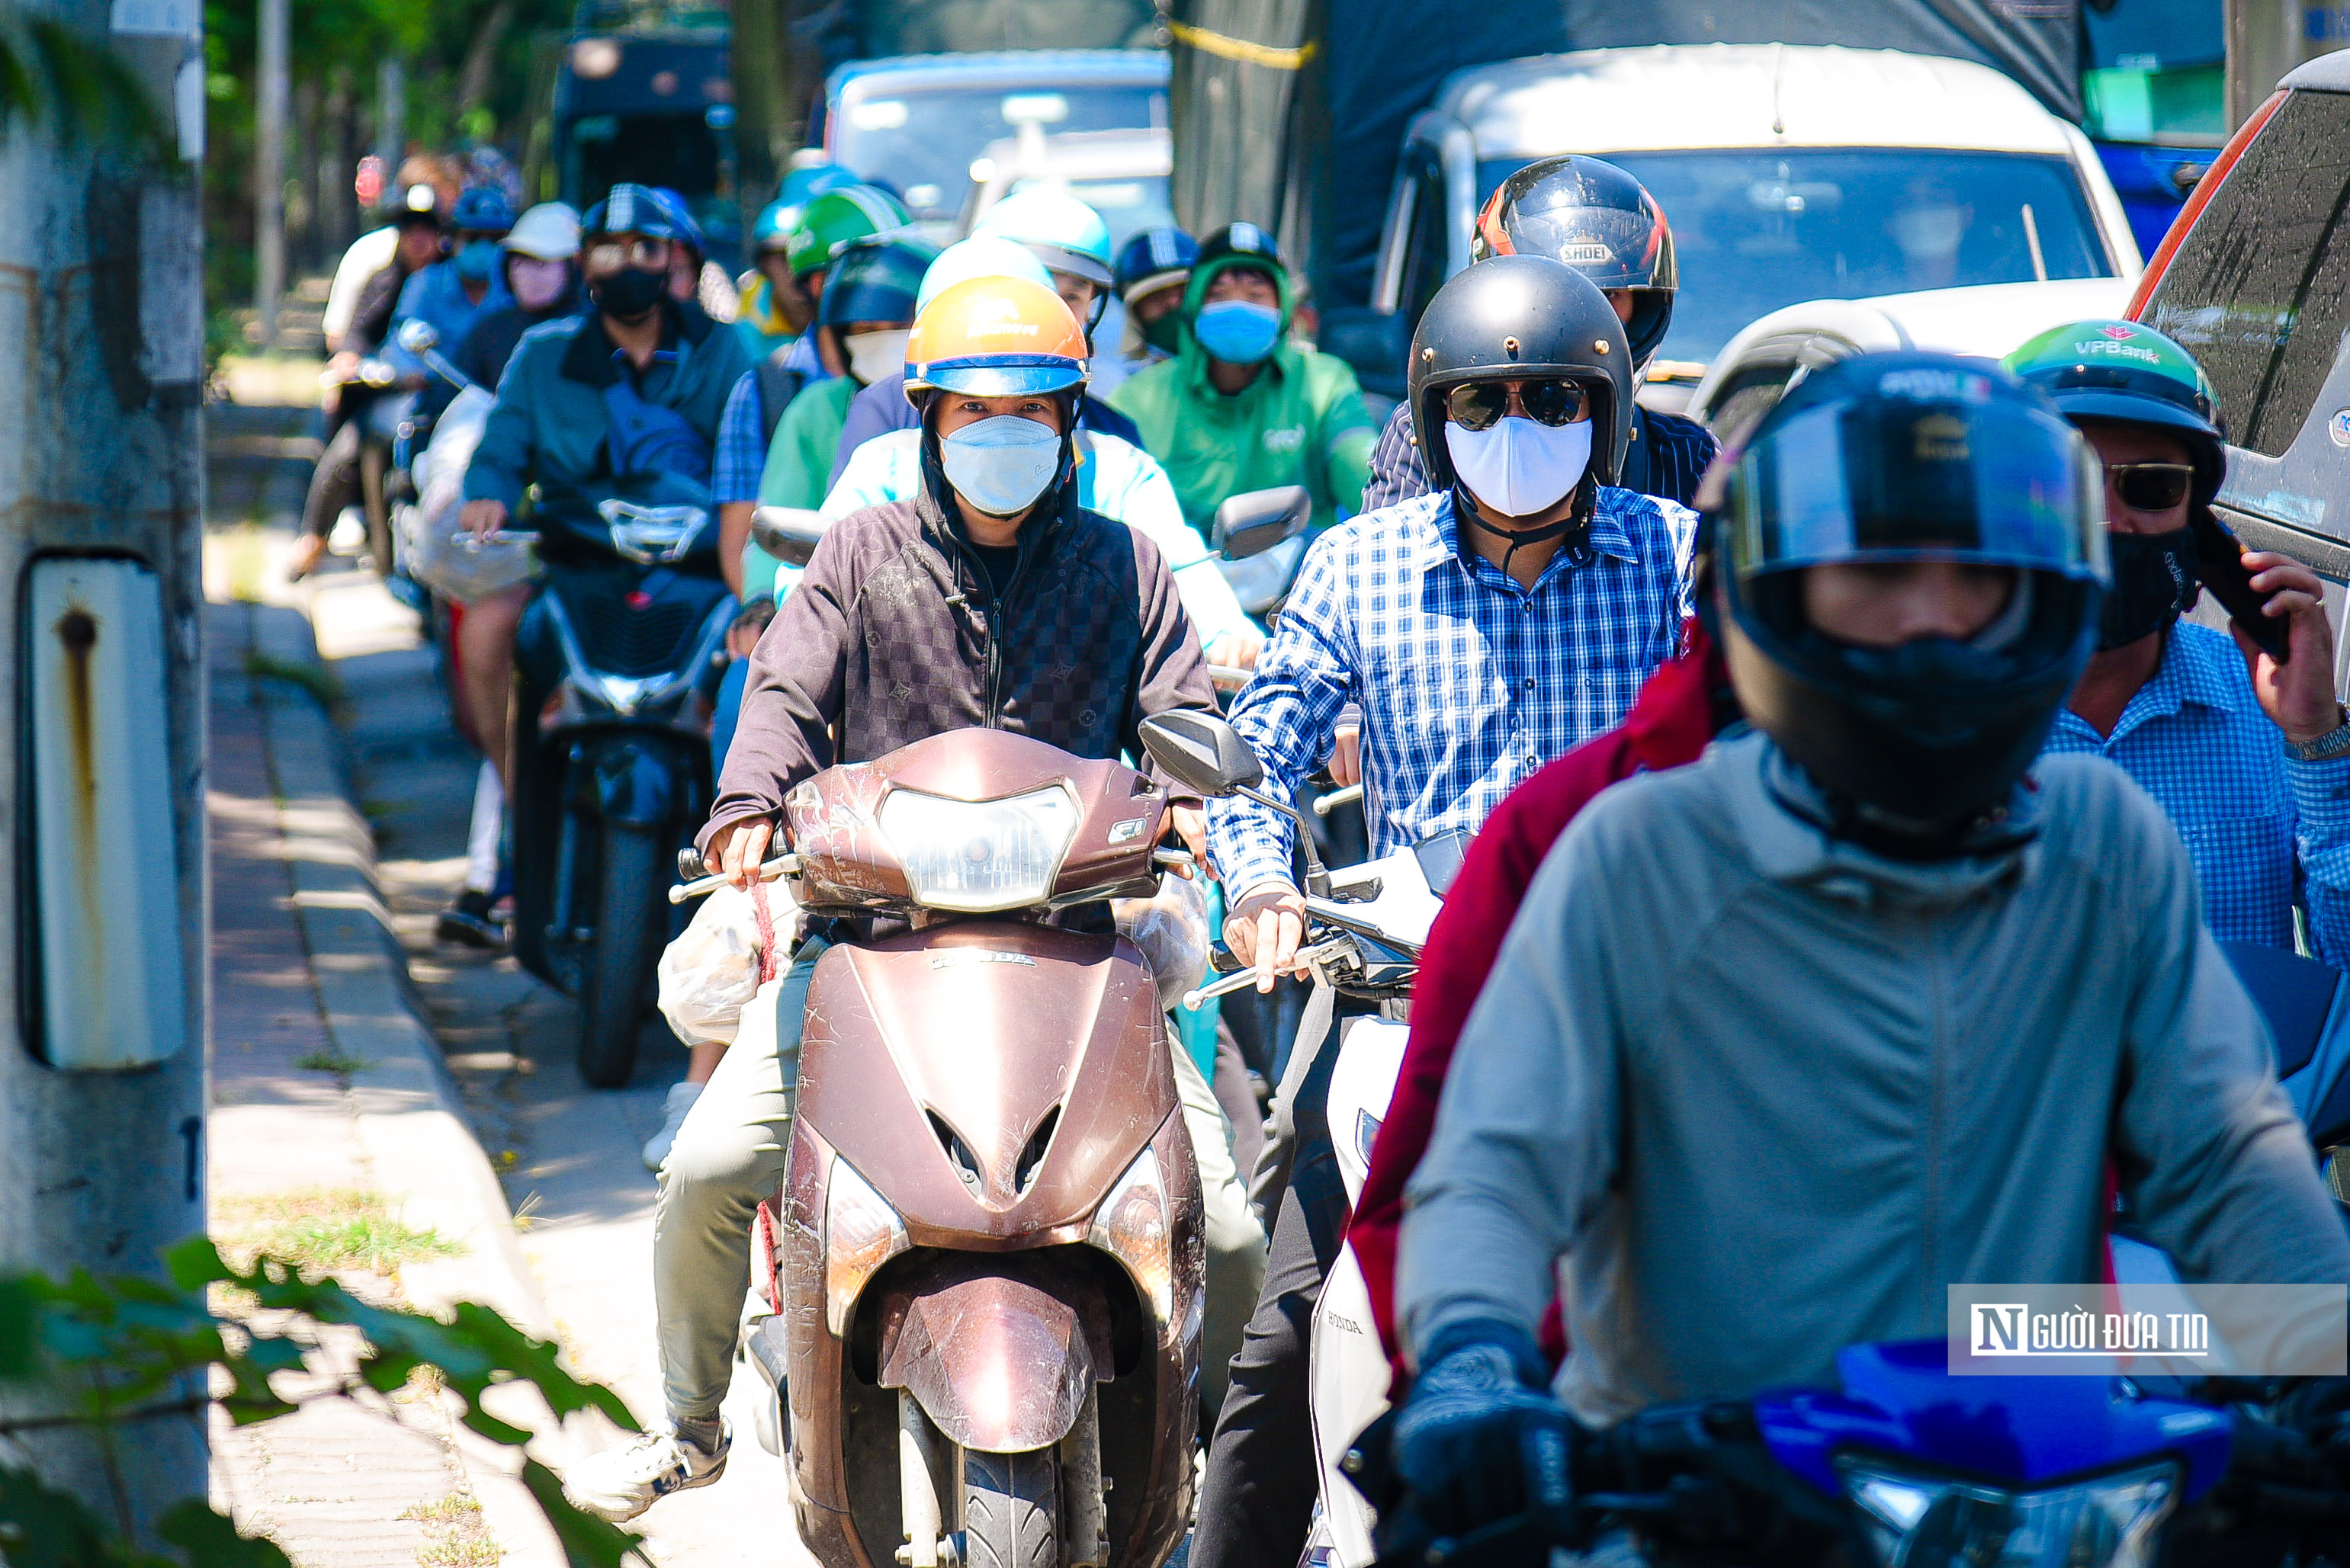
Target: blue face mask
{"x": 1237, "y": 331}
{"x": 476, "y": 259}
{"x": 1001, "y": 465}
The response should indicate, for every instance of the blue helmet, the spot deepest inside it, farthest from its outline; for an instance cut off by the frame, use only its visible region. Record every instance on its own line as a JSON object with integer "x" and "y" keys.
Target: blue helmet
{"x": 1154, "y": 259}
{"x": 639, "y": 210}
{"x": 1065, "y": 234}
{"x": 681, "y": 216}
{"x": 982, "y": 256}
{"x": 484, "y": 209}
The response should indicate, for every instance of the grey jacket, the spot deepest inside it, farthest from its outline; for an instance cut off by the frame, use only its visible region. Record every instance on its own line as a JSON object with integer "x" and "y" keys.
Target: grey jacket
{"x": 1769, "y": 1093}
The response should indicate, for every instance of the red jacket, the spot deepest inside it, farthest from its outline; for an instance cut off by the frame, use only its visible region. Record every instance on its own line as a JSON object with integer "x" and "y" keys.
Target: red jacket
{"x": 1669, "y": 725}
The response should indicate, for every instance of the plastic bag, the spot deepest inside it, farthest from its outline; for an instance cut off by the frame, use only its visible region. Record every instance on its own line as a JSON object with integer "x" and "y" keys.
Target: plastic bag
{"x": 1170, "y": 927}
{"x": 431, "y": 555}
{"x": 711, "y": 972}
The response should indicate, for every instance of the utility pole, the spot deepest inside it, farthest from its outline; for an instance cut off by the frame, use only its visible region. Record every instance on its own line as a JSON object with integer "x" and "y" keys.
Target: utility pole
{"x": 390, "y": 117}
{"x": 269, "y": 172}
{"x": 2265, "y": 40}
{"x": 103, "y": 1019}
{"x": 758, "y": 60}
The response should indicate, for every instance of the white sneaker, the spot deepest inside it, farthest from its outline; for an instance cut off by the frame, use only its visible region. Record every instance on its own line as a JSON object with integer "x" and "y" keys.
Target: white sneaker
{"x": 621, "y": 1483}
{"x": 680, "y": 1100}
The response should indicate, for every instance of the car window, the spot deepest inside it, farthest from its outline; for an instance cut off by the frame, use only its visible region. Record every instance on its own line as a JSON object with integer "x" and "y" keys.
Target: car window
{"x": 920, "y": 141}
{"x": 1757, "y": 230}
{"x": 2260, "y": 287}
{"x": 1429, "y": 255}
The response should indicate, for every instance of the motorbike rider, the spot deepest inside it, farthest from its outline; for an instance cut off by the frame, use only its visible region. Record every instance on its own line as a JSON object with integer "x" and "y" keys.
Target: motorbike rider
{"x": 335, "y": 482}
{"x": 1242, "y": 407}
{"x": 1483, "y": 629}
{"x": 452, "y": 295}
{"x": 2250, "y": 756}
{"x": 1071, "y": 241}
{"x": 1597, "y": 219}
{"x": 1153, "y": 269}
{"x": 989, "y": 598}
{"x": 773, "y": 308}
{"x": 608, "y": 403}
{"x": 539, "y": 265}
{"x": 1803, "y": 934}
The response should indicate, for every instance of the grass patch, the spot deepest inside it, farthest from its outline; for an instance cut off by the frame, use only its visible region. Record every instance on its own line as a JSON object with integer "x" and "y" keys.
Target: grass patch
{"x": 454, "y": 1535}
{"x": 316, "y": 679}
{"x": 324, "y": 1231}
{"x": 332, "y": 1060}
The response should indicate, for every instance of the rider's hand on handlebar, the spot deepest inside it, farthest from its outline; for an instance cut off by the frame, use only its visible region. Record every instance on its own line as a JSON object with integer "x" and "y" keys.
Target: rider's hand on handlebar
{"x": 1264, "y": 929}
{"x": 738, "y": 849}
{"x": 1347, "y": 757}
{"x": 1191, "y": 827}
{"x": 1236, "y": 649}
{"x": 483, "y": 518}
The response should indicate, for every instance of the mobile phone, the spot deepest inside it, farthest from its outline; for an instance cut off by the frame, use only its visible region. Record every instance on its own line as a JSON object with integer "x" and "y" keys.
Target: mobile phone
{"x": 2219, "y": 564}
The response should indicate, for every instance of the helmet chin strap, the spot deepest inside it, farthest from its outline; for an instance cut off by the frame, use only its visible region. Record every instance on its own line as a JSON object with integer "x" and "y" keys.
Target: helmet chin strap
{"x": 1577, "y": 522}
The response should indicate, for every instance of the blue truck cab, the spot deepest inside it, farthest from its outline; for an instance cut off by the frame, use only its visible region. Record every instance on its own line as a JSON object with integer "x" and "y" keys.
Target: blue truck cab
{"x": 643, "y": 94}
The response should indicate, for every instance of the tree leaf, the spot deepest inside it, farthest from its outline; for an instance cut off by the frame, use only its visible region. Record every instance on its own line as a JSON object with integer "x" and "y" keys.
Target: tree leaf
{"x": 588, "y": 1542}
{"x": 208, "y": 1540}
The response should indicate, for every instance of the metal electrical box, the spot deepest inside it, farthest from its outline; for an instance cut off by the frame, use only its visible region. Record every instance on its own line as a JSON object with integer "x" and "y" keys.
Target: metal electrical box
{"x": 107, "y": 981}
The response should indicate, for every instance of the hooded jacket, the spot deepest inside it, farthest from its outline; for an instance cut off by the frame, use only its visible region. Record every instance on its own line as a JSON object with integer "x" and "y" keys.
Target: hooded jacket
{"x": 1769, "y": 1095}
{"x": 894, "y": 634}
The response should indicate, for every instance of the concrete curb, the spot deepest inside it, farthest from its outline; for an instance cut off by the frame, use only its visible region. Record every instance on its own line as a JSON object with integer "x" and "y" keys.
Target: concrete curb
{"x": 413, "y": 1134}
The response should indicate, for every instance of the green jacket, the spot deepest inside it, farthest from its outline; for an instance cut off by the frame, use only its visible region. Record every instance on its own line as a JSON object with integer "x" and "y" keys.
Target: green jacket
{"x": 1301, "y": 421}
{"x": 799, "y": 460}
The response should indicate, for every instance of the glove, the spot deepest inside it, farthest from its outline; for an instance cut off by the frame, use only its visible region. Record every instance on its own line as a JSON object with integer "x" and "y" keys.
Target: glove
{"x": 1481, "y": 1439}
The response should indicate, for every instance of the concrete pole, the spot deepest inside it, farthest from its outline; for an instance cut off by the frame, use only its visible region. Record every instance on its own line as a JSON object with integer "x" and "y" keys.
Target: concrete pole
{"x": 390, "y": 117}
{"x": 2264, "y": 42}
{"x": 101, "y": 482}
{"x": 269, "y": 171}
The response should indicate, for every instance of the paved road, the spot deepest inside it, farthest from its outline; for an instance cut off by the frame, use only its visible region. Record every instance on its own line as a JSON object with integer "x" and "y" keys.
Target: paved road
{"x": 567, "y": 1154}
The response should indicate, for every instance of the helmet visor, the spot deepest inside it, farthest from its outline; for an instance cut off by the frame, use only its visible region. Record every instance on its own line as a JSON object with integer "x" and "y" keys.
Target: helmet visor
{"x": 1990, "y": 483}
{"x": 1612, "y": 247}
{"x": 997, "y": 378}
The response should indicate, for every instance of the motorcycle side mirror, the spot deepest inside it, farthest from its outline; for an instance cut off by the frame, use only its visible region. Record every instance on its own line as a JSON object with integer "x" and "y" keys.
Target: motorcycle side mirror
{"x": 789, "y": 533}
{"x": 1202, "y": 753}
{"x": 1440, "y": 859}
{"x": 417, "y": 337}
{"x": 1255, "y": 521}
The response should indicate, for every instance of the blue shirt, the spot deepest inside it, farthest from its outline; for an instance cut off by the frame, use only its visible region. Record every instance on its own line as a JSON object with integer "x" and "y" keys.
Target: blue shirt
{"x": 2253, "y": 819}
{"x": 742, "y": 452}
{"x": 437, "y": 294}
{"x": 1468, "y": 683}
{"x": 1674, "y": 450}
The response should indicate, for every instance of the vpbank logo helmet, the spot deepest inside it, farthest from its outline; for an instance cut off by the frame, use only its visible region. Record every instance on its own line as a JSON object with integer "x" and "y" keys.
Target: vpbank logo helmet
{"x": 995, "y": 337}
{"x": 2128, "y": 372}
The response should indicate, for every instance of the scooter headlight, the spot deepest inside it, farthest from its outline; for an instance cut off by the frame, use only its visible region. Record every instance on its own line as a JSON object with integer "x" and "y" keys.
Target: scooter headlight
{"x": 1935, "y": 1522}
{"x": 977, "y": 857}
{"x": 1133, "y": 1225}
{"x": 861, "y": 1232}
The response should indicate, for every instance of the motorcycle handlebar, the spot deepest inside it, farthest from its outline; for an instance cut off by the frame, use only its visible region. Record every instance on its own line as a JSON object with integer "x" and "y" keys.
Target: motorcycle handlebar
{"x": 465, "y": 538}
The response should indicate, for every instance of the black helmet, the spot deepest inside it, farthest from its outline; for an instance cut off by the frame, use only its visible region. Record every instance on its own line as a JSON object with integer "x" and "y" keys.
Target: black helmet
{"x": 1895, "y": 457}
{"x": 1513, "y": 318}
{"x": 1595, "y": 218}
{"x": 874, "y": 278}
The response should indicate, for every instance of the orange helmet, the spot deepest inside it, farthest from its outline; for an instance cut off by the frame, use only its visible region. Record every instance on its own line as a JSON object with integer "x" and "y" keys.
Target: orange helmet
{"x": 995, "y": 337}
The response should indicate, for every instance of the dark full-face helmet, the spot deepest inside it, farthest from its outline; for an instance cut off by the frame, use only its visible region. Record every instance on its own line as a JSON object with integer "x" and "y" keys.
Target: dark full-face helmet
{"x": 1588, "y": 214}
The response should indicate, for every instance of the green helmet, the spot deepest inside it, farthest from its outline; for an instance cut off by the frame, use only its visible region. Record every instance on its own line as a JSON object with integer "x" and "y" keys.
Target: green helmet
{"x": 2128, "y": 372}
{"x": 835, "y": 217}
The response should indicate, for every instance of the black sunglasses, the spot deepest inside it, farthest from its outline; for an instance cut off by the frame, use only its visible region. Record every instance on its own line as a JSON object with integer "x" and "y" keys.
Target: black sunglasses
{"x": 1481, "y": 405}
{"x": 2151, "y": 486}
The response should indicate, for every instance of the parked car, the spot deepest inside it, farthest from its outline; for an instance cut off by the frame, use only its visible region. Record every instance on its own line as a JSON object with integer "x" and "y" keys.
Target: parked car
{"x": 1989, "y": 319}
{"x": 2254, "y": 280}
{"x": 917, "y": 122}
{"x": 1788, "y": 173}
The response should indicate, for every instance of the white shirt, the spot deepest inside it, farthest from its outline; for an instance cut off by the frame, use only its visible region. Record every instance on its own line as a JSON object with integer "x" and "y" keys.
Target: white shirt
{"x": 369, "y": 255}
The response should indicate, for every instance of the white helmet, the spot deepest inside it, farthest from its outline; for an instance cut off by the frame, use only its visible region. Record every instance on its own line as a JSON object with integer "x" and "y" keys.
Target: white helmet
{"x": 548, "y": 232}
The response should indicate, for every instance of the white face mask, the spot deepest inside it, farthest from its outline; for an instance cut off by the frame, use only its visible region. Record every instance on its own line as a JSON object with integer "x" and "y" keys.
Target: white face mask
{"x": 876, "y": 356}
{"x": 1929, "y": 234}
{"x": 1002, "y": 465}
{"x": 1520, "y": 468}
{"x": 537, "y": 284}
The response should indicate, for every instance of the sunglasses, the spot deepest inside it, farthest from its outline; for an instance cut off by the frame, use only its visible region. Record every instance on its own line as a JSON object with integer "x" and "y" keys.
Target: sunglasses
{"x": 611, "y": 256}
{"x": 1481, "y": 405}
{"x": 2150, "y": 486}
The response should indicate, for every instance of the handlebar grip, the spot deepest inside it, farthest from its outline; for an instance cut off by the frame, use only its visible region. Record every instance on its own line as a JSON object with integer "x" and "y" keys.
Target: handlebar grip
{"x": 690, "y": 864}
{"x": 1324, "y": 804}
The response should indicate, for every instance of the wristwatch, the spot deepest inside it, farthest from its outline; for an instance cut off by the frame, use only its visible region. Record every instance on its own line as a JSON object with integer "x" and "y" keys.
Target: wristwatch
{"x": 2334, "y": 742}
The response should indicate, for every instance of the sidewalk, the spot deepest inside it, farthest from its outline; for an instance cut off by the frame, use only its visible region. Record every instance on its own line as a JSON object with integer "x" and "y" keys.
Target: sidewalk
{"x": 330, "y": 1100}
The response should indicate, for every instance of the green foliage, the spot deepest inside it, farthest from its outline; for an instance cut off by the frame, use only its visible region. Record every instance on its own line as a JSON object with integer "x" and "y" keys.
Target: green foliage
{"x": 99, "y": 1353}
{"x": 51, "y": 76}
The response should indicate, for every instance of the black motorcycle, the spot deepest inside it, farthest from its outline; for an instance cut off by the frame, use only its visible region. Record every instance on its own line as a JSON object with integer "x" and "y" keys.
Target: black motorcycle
{"x": 615, "y": 663}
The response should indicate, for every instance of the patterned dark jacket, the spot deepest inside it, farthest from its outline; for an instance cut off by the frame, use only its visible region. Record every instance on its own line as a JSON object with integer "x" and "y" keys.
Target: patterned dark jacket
{"x": 894, "y": 633}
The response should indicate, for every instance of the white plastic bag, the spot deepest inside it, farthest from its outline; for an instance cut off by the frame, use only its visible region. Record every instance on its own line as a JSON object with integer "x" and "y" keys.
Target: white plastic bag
{"x": 431, "y": 557}
{"x": 1171, "y": 928}
{"x": 711, "y": 972}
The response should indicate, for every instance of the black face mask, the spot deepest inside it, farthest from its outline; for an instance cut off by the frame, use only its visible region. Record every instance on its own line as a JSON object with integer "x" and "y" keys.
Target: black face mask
{"x": 629, "y": 294}
{"x": 2154, "y": 585}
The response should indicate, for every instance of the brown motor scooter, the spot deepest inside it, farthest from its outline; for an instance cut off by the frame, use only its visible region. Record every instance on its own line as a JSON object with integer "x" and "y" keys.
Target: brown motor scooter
{"x": 986, "y": 1260}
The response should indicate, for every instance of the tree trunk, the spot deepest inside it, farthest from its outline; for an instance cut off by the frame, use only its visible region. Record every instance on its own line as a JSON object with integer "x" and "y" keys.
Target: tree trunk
{"x": 763, "y": 133}
{"x": 482, "y": 59}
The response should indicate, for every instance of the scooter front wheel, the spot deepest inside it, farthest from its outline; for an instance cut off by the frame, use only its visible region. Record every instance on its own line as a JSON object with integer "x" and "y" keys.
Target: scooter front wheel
{"x": 1011, "y": 1510}
{"x": 631, "y": 925}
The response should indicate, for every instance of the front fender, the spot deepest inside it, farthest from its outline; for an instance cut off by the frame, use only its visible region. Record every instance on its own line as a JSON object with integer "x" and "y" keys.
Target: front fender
{"x": 636, "y": 784}
{"x": 1000, "y": 1355}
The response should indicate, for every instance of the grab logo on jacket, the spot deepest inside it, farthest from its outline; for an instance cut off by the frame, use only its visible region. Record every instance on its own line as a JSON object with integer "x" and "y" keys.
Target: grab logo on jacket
{"x": 1289, "y": 437}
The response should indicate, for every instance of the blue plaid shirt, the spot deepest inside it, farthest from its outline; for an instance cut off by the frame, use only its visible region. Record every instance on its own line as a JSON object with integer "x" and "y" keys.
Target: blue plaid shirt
{"x": 1467, "y": 682}
{"x": 742, "y": 454}
{"x": 2194, "y": 737}
{"x": 1678, "y": 450}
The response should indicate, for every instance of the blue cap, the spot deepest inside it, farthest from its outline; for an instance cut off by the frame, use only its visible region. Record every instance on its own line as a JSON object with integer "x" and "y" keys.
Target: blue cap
{"x": 483, "y": 207}
{"x": 1154, "y": 259}
{"x": 638, "y": 210}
